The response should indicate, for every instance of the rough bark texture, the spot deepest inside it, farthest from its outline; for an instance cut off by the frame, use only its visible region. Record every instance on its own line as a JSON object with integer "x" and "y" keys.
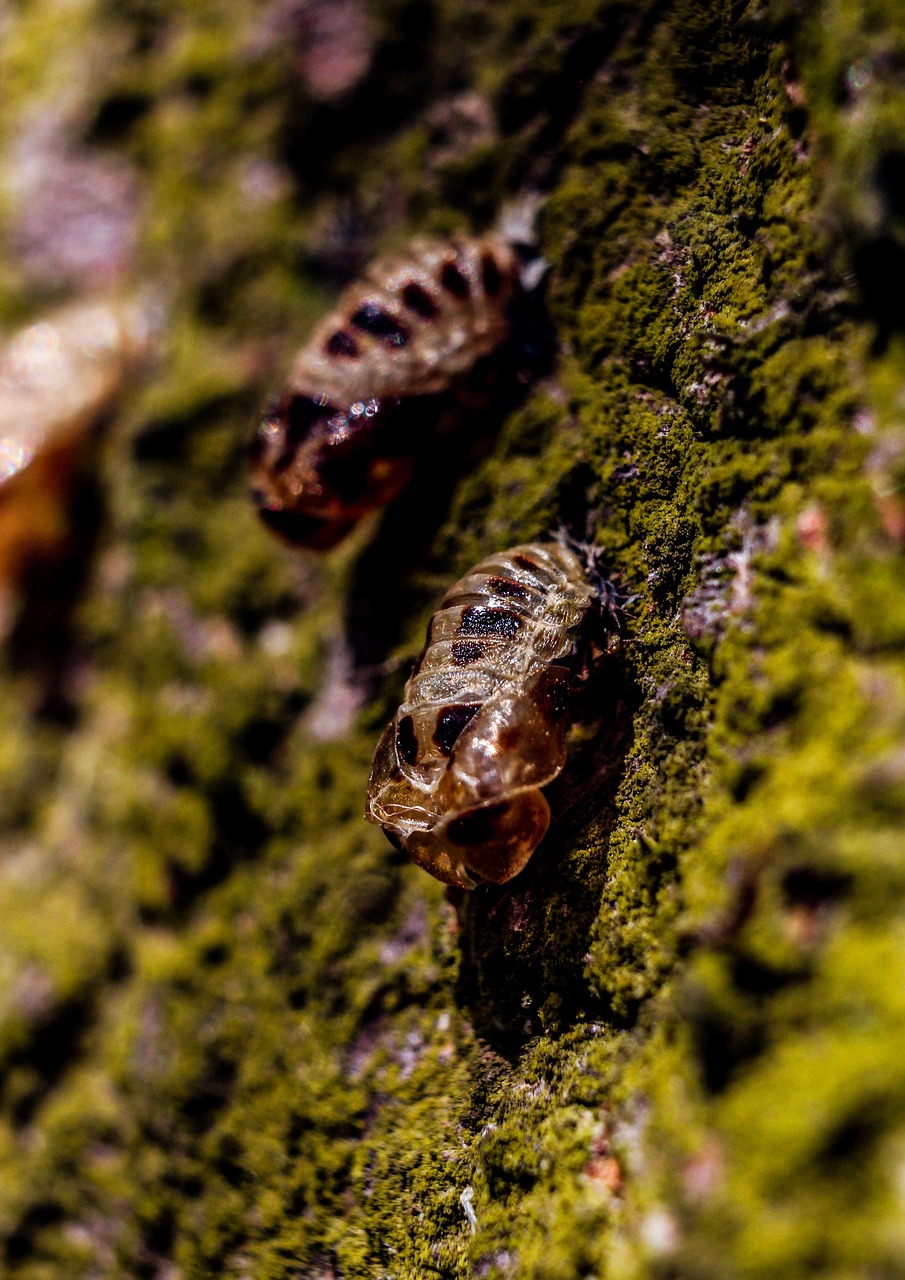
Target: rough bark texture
{"x": 241, "y": 1037}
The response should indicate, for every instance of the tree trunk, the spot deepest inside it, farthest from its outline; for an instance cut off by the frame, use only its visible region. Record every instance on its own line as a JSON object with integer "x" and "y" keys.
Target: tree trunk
{"x": 241, "y": 1035}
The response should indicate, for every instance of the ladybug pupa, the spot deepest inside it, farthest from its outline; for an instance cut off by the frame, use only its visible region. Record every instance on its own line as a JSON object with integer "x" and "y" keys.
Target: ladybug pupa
{"x": 458, "y": 776}
{"x": 59, "y": 378}
{"x": 338, "y": 442}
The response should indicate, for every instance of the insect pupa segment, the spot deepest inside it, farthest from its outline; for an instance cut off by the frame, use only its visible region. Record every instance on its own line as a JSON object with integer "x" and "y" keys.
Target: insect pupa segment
{"x": 338, "y": 442}
{"x": 458, "y": 775}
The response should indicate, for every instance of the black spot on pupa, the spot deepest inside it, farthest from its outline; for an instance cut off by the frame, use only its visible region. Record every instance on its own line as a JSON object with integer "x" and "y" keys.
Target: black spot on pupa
{"x": 394, "y": 840}
{"x": 478, "y": 826}
{"x": 342, "y": 343}
{"x": 481, "y": 621}
{"x": 491, "y": 276}
{"x": 524, "y": 562}
{"x": 371, "y": 318}
{"x": 506, "y": 587}
{"x": 417, "y": 299}
{"x": 406, "y": 742}
{"x": 465, "y": 652}
{"x": 450, "y": 723}
{"x": 453, "y": 281}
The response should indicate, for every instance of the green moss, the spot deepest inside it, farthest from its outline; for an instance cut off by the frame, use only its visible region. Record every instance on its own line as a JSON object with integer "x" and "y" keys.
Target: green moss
{"x": 241, "y": 1036}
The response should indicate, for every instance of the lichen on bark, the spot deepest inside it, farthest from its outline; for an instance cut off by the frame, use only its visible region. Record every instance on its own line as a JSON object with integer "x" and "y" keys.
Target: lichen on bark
{"x": 240, "y": 1035}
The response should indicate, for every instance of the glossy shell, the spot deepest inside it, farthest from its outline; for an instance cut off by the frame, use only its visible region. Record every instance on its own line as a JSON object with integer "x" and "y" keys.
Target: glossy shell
{"x": 457, "y": 776}
{"x": 60, "y": 374}
{"x": 58, "y": 378}
{"x": 338, "y": 441}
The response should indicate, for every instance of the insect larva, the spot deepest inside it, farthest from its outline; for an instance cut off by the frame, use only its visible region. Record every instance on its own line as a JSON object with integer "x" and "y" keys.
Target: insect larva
{"x": 339, "y": 440}
{"x": 457, "y": 777}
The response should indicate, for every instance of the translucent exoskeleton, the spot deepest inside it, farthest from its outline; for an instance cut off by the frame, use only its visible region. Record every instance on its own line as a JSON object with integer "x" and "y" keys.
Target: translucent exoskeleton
{"x": 457, "y": 777}
{"x": 338, "y": 442}
{"x": 59, "y": 377}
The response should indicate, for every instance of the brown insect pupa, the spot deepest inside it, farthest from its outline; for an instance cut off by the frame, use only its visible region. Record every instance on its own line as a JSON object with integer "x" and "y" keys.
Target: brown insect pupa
{"x": 335, "y": 445}
{"x": 59, "y": 377}
{"x": 458, "y": 776}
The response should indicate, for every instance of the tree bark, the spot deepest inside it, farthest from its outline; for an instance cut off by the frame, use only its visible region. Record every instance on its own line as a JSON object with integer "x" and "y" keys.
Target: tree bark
{"x": 241, "y": 1036}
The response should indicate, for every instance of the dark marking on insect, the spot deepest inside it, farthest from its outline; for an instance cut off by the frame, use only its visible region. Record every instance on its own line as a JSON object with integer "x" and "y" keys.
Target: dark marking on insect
{"x": 465, "y": 652}
{"x": 373, "y": 319}
{"x": 454, "y": 281}
{"x": 417, "y": 299}
{"x": 450, "y": 723}
{"x": 342, "y": 343}
{"x": 414, "y": 327}
{"x": 458, "y": 775}
{"x": 406, "y": 742}
{"x": 478, "y": 620}
{"x": 506, "y": 587}
{"x": 490, "y": 275}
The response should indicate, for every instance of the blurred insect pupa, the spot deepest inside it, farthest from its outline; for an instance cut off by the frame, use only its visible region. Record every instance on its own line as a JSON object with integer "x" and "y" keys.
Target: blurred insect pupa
{"x": 338, "y": 441}
{"x": 59, "y": 377}
{"x": 458, "y": 776}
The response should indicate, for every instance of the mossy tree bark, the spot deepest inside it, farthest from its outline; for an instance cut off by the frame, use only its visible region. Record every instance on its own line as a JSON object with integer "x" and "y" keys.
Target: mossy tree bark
{"x": 240, "y": 1035}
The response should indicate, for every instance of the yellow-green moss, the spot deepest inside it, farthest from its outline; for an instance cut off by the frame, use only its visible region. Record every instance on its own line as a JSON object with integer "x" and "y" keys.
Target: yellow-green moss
{"x": 240, "y": 1035}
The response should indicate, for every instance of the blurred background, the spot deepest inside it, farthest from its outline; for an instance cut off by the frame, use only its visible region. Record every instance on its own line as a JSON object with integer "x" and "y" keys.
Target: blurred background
{"x": 239, "y": 1034}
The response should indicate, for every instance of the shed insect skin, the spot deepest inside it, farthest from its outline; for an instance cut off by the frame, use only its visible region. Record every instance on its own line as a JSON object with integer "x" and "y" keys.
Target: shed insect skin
{"x": 59, "y": 378}
{"x": 458, "y": 774}
{"x": 338, "y": 441}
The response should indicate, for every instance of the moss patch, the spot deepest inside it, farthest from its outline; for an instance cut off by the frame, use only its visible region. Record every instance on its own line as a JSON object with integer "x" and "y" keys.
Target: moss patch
{"x": 240, "y": 1035}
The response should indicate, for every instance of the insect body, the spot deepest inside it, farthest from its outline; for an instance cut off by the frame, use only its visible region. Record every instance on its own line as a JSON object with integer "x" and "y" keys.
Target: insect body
{"x": 58, "y": 378}
{"x": 339, "y": 440}
{"x": 457, "y": 776}
{"x": 59, "y": 374}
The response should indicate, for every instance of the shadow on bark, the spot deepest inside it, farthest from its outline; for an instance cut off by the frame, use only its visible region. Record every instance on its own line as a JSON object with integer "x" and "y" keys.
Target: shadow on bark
{"x": 512, "y": 982}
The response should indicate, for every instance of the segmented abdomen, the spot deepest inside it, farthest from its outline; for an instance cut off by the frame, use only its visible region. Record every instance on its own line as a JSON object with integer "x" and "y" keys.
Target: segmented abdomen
{"x": 412, "y": 325}
{"x": 456, "y": 777}
{"x": 335, "y": 445}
